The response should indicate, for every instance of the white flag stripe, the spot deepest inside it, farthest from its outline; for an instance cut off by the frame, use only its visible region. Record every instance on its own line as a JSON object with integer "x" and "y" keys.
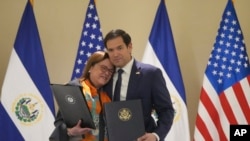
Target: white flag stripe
{"x": 160, "y": 51}
{"x": 217, "y": 104}
{"x": 212, "y": 93}
{"x": 203, "y": 113}
{"x": 232, "y": 100}
{"x": 245, "y": 84}
{"x": 226, "y": 78}
{"x": 198, "y": 135}
{"x": 25, "y": 86}
{"x": 209, "y": 124}
{"x": 27, "y": 104}
{"x": 152, "y": 59}
{"x": 149, "y": 55}
{"x": 180, "y": 119}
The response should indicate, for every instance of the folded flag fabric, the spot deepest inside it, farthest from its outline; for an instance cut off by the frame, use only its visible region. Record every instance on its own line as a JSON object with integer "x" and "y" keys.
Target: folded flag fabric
{"x": 225, "y": 94}
{"x": 91, "y": 39}
{"x": 27, "y": 106}
{"x": 160, "y": 51}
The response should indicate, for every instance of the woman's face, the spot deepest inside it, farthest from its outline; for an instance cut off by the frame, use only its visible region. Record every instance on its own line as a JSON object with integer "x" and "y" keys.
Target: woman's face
{"x": 101, "y": 73}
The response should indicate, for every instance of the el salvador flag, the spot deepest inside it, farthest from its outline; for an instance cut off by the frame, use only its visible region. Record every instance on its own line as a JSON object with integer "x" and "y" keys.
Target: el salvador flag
{"x": 160, "y": 51}
{"x": 27, "y": 106}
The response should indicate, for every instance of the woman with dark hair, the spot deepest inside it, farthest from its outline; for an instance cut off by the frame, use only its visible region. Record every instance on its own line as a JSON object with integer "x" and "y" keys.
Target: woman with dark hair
{"x": 96, "y": 74}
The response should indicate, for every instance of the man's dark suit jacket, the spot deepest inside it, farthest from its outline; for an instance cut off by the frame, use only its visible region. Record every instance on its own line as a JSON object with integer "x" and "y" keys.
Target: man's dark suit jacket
{"x": 147, "y": 83}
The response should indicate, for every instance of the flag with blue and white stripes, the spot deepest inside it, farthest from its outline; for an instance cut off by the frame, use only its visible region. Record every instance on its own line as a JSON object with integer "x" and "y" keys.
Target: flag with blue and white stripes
{"x": 160, "y": 51}
{"x": 27, "y": 106}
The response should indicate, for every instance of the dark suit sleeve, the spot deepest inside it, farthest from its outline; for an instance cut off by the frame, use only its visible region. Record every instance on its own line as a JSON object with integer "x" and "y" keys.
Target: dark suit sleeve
{"x": 60, "y": 131}
{"x": 162, "y": 104}
{"x": 59, "y": 119}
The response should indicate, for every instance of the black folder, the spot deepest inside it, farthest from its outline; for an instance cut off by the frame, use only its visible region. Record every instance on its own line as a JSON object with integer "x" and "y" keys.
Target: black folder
{"x": 72, "y": 105}
{"x": 124, "y": 120}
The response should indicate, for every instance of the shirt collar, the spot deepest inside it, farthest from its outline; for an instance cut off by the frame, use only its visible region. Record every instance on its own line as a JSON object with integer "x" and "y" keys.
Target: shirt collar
{"x": 127, "y": 67}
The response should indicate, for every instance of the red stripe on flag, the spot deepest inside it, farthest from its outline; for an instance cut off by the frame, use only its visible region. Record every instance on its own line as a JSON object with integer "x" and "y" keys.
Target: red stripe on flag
{"x": 242, "y": 101}
{"x": 213, "y": 114}
{"x": 227, "y": 109}
{"x": 229, "y": 95}
{"x": 202, "y": 128}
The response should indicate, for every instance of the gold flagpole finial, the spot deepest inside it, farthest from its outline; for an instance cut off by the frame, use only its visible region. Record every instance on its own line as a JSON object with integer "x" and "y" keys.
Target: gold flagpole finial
{"x": 32, "y": 2}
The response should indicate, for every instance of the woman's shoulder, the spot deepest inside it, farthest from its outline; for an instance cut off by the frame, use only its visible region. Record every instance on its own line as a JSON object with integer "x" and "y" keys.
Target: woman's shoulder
{"x": 74, "y": 82}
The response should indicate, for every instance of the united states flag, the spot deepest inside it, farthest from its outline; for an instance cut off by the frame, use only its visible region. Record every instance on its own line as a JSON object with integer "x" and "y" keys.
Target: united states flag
{"x": 91, "y": 39}
{"x": 225, "y": 95}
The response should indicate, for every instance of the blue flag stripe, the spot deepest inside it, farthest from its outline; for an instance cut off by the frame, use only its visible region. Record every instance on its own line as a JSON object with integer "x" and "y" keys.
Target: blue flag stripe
{"x": 162, "y": 42}
{"x": 10, "y": 131}
{"x": 30, "y": 53}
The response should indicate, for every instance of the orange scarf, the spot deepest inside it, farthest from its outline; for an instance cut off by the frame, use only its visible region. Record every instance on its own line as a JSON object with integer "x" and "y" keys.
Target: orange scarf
{"x": 92, "y": 98}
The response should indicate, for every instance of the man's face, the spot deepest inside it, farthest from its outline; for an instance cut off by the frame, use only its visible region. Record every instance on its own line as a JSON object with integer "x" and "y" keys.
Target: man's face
{"x": 119, "y": 53}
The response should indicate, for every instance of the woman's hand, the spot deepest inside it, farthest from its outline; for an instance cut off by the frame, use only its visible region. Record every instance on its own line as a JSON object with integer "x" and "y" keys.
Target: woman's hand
{"x": 78, "y": 130}
{"x": 147, "y": 137}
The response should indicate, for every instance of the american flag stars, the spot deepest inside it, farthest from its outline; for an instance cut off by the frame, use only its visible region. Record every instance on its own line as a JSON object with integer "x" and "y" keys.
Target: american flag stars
{"x": 91, "y": 39}
{"x": 229, "y": 55}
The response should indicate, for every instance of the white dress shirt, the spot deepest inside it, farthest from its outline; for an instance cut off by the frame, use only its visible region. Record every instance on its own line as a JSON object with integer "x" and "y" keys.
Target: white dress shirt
{"x": 125, "y": 79}
{"x": 124, "y": 84}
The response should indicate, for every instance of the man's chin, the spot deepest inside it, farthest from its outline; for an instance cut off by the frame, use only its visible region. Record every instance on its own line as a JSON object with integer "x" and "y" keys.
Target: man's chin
{"x": 118, "y": 64}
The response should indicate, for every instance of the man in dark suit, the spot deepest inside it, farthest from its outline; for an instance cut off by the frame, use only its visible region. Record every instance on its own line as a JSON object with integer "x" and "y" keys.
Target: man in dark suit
{"x": 139, "y": 81}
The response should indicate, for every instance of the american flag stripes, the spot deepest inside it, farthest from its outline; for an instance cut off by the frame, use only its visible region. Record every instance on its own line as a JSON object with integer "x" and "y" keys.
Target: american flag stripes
{"x": 91, "y": 39}
{"x": 225, "y": 95}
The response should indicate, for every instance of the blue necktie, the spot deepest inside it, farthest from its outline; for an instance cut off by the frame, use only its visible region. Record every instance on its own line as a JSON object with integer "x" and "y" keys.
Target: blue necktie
{"x": 118, "y": 86}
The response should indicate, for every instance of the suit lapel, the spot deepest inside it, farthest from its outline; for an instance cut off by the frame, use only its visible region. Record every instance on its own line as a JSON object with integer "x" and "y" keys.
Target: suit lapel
{"x": 134, "y": 80}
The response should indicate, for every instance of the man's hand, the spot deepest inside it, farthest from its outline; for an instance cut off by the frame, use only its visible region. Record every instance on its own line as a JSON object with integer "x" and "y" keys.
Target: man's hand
{"x": 147, "y": 137}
